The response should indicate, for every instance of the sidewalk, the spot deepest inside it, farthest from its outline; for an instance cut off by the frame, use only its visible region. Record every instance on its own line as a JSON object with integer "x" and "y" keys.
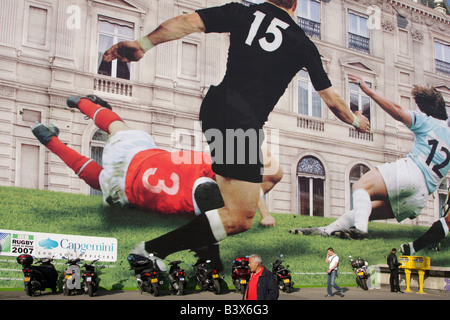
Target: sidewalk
{"x": 350, "y": 293}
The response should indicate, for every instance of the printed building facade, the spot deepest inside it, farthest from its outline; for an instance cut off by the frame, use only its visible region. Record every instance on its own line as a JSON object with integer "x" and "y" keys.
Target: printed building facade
{"x": 51, "y": 49}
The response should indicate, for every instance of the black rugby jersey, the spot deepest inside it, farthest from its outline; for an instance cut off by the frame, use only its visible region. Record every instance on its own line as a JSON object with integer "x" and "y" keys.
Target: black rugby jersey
{"x": 267, "y": 49}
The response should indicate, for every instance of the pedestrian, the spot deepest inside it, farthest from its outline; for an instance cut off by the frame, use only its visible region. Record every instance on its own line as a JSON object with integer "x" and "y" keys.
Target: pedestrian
{"x": 262, "y": 284}
{"x": 333, "y": 260}
{"x": 393, "y": 269}
{"x": 267, "y": 49}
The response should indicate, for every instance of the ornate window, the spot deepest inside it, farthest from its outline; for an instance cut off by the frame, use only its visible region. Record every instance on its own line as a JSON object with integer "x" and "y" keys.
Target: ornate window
{"x": 112, "y": 31}
{"x": 442, "y": 58}
{"x": 358, "y": 32}
{"x": 311, "y": 180}
{"x": 443, "y": 190}
{"x": 309, "y": 101}
{"x": 359, "y": 101}
{"x": 355, "y": 174}
{"x": 97, "y": 145}
{"x": 309, "y": 17}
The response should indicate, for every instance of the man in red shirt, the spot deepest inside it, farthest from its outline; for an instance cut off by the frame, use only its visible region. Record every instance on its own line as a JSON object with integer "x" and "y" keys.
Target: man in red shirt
{"x": 262, "y": 284}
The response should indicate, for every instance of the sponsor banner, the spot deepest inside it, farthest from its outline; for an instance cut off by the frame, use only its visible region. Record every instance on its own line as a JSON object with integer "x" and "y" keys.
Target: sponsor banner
{"x": 58, "y": 246}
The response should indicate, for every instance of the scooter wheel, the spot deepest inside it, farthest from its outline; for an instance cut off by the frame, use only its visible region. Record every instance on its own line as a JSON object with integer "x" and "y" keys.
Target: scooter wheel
{"x": 180, "y": 290}
{"x": 90, "y": 290}
{"x": 66, "y": 291}
{"x": 29, "y": 290}
{"x": 155, "y": 290}
{"x": 217, "y": 289}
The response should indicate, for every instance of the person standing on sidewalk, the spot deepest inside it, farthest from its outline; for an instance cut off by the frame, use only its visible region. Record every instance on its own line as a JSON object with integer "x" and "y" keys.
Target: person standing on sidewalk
{"x": 262, "y": 284}
{"x": 333, "y": 260}
{"x": 393, "y": 269}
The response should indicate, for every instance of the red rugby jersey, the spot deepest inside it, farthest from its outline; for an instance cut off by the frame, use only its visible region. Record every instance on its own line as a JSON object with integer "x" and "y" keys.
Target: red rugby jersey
{"x": 162, "y": 181}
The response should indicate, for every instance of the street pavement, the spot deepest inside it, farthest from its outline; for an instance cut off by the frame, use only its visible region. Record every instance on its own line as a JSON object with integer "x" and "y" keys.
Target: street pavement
{"x": 350, "y": 293}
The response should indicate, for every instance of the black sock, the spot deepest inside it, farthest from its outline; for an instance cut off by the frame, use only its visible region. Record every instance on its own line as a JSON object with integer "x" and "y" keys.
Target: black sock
{"x": 197, "y": 233}
{"x": 432, "y": 236}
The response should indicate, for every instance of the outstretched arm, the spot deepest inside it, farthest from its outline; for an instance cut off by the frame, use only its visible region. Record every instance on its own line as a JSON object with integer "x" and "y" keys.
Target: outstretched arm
{"x": 394, "y": 110}
{"x": 267, "y": 220}
{"x": 172, "y": 29}
{"x": 340, "y": 108}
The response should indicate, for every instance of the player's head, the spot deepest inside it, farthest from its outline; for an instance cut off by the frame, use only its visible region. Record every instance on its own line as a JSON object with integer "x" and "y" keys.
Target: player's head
{"x": 430, "y": 101}
{"x": 287, "y": 4}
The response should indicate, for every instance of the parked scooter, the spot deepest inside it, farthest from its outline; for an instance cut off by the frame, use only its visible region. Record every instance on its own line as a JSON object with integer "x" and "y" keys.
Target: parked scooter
{"x": 177, "y": 278}
{"x": 240, "y": 273}
{"x": 282, "y": 275}
{"x": 90, "y": 279}
{"x": 362, "y": 273}
{"x": 208, "y": 278}
{"x": 148, "y": 274}
{"x": 38, "y": 278}
{"x": 72, "y": 277}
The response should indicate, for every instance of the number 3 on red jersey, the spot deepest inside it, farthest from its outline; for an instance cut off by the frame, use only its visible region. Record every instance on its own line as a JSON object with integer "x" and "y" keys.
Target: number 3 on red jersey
{"x": 161, "y": 185}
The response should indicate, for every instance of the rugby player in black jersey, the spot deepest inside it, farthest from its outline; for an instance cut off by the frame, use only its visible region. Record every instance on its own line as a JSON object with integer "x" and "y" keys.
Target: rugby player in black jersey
{"x": 267, "y": 49}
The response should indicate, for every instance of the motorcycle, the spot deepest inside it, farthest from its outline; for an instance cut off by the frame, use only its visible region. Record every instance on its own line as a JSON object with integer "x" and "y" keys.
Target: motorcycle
{"x": 177, "y": 278}
{"x": 72, "y": 277}
{"x": 90, "y": 279}
{"x": 362, "y": 273}
{"x": 283, "y": 276}
{"x": 208, "y": 278}
{"x": 38, "y": 278}
{"x": 147, "y": 273}
{"x": 240, "y": 273}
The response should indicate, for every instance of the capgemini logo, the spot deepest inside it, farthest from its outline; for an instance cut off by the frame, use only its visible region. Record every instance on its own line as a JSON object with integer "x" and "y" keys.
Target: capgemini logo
{"x": 48, "y": 243}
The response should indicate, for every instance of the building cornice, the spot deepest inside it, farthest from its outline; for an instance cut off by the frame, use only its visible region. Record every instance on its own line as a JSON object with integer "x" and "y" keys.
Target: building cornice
{"x": 421, "y": 9}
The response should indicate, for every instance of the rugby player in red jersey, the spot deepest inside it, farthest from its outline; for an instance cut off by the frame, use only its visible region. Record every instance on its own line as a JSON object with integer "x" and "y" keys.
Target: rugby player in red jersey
{"x": 136, "y": 173}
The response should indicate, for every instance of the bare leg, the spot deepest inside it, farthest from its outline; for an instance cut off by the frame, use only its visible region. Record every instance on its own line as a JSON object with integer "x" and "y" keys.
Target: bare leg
{"x": 241, "y": 201}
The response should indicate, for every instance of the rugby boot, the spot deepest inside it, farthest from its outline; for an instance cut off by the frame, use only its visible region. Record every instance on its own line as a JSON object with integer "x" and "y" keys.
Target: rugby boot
{"x": 139, "y": 252}
{"x": 407, "y": 249}
{"x": 317, "y": 231}
{"x": 211, "y": 252}
{"x": 351, "y": 233}
{"x": 44, "y": 133}
{"x": 73, "y": 101}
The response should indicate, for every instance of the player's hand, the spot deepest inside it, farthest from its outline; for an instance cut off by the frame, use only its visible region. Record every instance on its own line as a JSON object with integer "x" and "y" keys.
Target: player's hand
{"x": 125, "y": 51}
{"x": 268, "y": 221}
{"x": 364, "y": 123}
{"x": 354, "y": 78}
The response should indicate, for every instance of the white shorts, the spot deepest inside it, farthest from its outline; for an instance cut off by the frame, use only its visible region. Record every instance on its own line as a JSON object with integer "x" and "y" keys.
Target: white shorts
{"x": 119, "y": 150}
{"x": 406, "y": 188}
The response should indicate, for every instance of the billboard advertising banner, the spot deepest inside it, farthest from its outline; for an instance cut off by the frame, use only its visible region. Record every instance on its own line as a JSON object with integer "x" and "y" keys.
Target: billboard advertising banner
{"x": 15, "y": 243}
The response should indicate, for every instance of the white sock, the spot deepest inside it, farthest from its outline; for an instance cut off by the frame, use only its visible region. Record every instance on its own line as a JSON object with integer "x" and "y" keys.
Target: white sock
{"x": 362, "y": 207}
{"x": 344, "y": 222}
{"x": 216, "y": 224}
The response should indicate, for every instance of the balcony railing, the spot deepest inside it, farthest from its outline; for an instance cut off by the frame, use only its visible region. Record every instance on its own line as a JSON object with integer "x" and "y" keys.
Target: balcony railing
{"x": 443, "y": 67}
{"x": 311, "y": 28}
{"x": 359, "y": 43}
{"x": 352, "y": 133}
{"x": 310, "y": 124}
{"x": 114, "y": 86}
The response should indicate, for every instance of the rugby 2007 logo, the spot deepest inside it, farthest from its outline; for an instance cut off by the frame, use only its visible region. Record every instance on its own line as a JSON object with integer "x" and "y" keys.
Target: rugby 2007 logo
{"x": 16, "y": 243}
